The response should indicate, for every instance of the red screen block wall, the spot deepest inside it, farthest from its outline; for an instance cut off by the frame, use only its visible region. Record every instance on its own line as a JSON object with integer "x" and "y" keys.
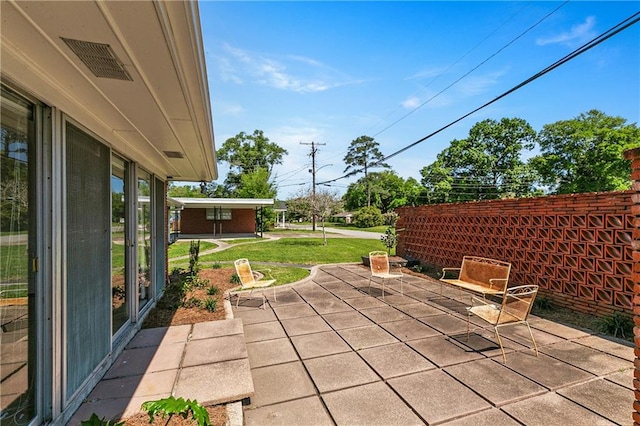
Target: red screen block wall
{"x": 634, "y": 156}
{"x": 577, "y": 247}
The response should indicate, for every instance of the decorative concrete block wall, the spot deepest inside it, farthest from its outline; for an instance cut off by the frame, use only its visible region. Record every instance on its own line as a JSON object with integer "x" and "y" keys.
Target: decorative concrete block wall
{"x": 577, "y": 248}
{"x": 634, "y": 156}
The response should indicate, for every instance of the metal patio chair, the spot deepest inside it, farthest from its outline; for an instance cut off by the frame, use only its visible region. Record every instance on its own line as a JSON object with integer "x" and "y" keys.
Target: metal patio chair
{"x": 248, "y": 281}
{"x": 379, "y": 263}
{"x": 515, "y": 308}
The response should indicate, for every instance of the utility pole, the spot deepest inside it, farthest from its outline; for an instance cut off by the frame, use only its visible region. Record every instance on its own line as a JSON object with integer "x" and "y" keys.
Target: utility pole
{"x": 313, "y": 181}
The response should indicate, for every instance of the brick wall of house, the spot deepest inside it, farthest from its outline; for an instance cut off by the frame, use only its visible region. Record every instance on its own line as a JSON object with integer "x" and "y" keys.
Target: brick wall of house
{"x": 194, "y": 221}
{"x": 577, "y": 248}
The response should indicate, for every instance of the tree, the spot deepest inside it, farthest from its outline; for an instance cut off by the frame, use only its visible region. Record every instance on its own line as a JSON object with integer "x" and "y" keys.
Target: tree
{"x": 388, "y": 191}
{"x": 585, "y": 154}
{"x": 363, "y": 154}
{"x": 486, "y": 165}
{"x": 246, "y": 154}
{"x": 186, "y": 191}
{"x": 325, "y": 203}
{"x": 256, "y": 184}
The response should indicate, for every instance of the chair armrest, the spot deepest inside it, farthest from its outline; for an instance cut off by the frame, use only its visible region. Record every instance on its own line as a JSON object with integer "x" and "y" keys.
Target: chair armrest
{"x": 445, "y": 270}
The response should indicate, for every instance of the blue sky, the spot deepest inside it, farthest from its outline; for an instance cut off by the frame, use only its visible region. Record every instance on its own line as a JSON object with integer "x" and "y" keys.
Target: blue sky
{"x": 330, "y": 72}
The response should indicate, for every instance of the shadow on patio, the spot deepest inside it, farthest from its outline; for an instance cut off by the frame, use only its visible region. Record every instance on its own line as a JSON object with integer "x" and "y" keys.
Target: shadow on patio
{"x": 328, "y": 353}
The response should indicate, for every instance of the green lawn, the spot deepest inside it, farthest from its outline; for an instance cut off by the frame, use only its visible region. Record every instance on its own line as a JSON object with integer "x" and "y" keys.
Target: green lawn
{"x": 304, "y": 251}
{"x": 307, "y": 251}
{"x": 181, "y": 248}
{"x": 378, "y": 229}
{"x": 14, "y": 261}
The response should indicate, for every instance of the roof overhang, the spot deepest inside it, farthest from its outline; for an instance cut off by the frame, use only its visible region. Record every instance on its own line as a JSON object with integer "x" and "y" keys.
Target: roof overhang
{"x": 226, "y": 203}
{"x": 161, "y": 118}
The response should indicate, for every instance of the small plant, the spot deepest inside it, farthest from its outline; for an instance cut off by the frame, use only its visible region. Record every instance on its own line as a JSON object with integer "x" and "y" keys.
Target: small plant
{"x": 172, "y": 406}
{"x": 616, "y": 324}
{"x": 542, "y": 303}
{"x": 235, "y": 279}
{"x": 216, "y": 265}
{"x": 389, "y": 239}
{"x": 213, "y": 290}
{"x": 194, "y": 255}
{"x": 193, "y": 302}
{"x": 210, "y": 304}
{"x": 94, "y": 420}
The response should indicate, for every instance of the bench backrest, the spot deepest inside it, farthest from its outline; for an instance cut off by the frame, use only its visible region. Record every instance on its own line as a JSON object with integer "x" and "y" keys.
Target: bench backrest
{"x": 480, "y": 270}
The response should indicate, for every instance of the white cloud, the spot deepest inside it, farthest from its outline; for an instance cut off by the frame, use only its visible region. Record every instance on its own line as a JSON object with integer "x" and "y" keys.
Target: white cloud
{"x": 291, "y": 73}
{"x": 475, "y": 85}
{"x": 428, "y": 73}
{"x": 578, "y": 34}
{"x": 230, "y": 109}
{"x": 411, "y": 102}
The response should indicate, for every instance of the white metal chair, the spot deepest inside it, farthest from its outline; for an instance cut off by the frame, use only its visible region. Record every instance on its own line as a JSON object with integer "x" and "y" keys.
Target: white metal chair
{"x": 515, "y": 308}
{"x": 379, "y": 263}
{"x": 248, "y": 281}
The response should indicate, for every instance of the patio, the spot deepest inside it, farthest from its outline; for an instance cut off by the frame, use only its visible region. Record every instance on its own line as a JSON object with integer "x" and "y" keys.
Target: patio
{"x": 327, "y": 352}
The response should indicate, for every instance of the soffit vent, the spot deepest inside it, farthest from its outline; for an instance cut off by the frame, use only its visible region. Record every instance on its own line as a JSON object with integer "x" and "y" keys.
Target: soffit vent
{"x": 99, "y": 58}
{"x": 173, "y": 154}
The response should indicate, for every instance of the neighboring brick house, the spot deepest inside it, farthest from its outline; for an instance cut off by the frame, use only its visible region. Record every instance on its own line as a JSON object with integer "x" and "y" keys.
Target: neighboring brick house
{"x": 219, "y": 216}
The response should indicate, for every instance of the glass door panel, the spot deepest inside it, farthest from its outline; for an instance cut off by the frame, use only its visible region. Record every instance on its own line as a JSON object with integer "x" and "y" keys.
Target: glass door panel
{"x": 119, "y": 289}
{"x": 144, "y": 238}
{"x": 18, "y": 261}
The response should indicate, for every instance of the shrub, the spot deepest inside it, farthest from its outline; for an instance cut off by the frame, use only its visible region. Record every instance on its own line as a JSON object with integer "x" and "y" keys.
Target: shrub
{"x": 193, "y": 302}
{"x": 210, "y": 304}
{"x": 616, "y": 324}
{"x": 390, "y": 218}
{"x": 194, "y": 255}
{"x": 235, "y": 279}
{"x": 368, "y": 217}
{"x": 213, "y": 290}
{"x": 216, "y": 265}
{"x": 172, "y": 406}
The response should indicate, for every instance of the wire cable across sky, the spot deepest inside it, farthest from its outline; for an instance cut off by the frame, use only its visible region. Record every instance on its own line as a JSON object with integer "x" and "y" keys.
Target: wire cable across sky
{"x": 623, "y": 25}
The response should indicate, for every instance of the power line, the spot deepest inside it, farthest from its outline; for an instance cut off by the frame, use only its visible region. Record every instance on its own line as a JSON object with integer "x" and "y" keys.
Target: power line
{"x": 472, "y": 69}
{"x": 633, "y": 19}
{"x": 463, "y": 76}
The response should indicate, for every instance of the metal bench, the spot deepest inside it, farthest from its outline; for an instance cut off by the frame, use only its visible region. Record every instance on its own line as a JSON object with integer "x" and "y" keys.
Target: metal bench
{"x": 478, "y": 275}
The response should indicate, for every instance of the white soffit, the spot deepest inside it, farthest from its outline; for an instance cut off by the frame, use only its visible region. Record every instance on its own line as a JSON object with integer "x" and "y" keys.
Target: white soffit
{"x": 161, "y": 118}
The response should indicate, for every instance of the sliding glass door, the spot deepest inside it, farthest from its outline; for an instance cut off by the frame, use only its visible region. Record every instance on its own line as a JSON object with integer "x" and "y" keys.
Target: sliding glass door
{"x": 119, "y": 241}
{"x": 18, "y": 260}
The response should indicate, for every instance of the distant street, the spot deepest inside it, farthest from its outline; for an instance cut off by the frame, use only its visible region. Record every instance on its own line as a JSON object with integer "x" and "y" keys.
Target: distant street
{"x": 347, "y": 232}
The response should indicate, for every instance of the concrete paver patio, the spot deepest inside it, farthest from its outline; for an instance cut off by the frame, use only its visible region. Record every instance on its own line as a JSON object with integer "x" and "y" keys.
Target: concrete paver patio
{"x": 327, "y": 352}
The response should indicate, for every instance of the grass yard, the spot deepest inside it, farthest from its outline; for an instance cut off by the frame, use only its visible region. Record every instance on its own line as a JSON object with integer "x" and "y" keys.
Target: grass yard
{"x": 378, "y": 229}
{"x": 305, "y": 251}
{"x": 181, "y": 248}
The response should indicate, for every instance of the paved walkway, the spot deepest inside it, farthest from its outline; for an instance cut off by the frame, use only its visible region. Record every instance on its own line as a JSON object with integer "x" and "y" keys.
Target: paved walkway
{"x": 326, "y": 352}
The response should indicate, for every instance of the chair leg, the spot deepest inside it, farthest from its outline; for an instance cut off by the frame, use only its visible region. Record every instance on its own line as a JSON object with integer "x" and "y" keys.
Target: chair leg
{"x": 383, "y": 280}
{"x": 369, "y": 286}
{"x": 504, "y": 357}
{"x": 237, "y": 299}
{"x": 535, "y": 347}
{"x": 264, "y": 301}
{"x": 468, "y": 321}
